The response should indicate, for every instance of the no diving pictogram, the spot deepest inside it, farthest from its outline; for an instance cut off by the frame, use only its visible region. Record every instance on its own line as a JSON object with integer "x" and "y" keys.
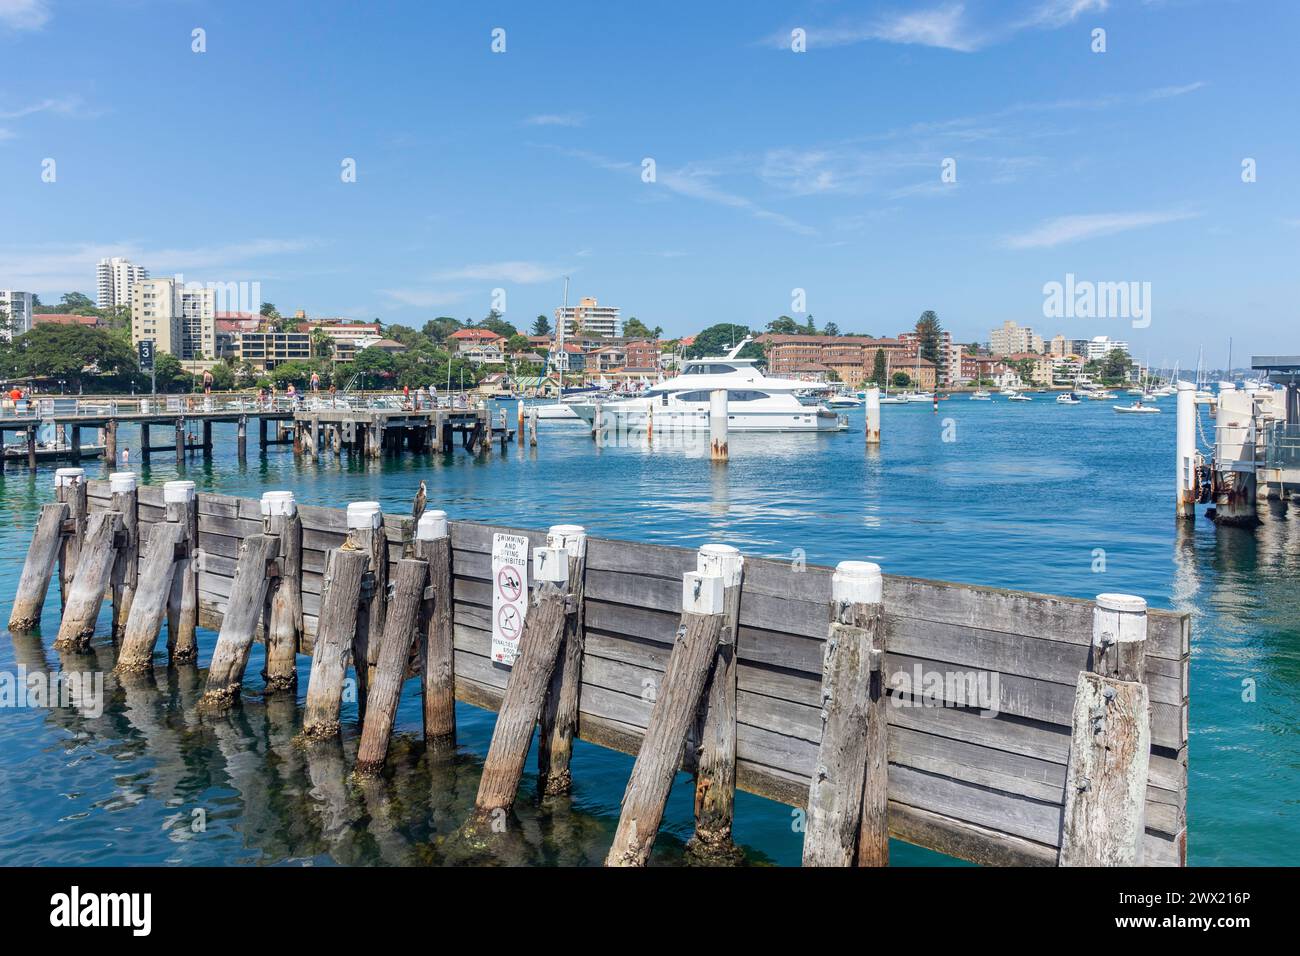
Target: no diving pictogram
{"x": 509, "y": 583}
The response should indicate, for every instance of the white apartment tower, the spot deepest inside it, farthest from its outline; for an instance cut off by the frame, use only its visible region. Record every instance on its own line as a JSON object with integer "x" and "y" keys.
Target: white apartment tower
{"x": 114, "y": 280}
{"x": 588, "y": 318}
{"x": 180, "y": 319}
{"x": 17, "y": 307}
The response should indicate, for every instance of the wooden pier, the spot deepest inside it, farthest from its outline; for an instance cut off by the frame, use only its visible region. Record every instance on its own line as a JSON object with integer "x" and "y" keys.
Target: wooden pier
{"x": 187, "y": 428}
{"x": 999, "y": 727}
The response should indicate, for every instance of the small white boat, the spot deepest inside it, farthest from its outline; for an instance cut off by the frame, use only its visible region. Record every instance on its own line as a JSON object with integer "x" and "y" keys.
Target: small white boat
{"x": 980, "y": 395}
{"x": 843, "y": 400}
{"x": 1067, "y": 398}
{"x": 1017, "y": 397}
{"x": 1137, "y": 408}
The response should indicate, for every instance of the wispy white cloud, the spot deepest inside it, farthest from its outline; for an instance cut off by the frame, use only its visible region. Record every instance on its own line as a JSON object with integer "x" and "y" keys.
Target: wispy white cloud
{"x": 949, "y": 26}
{"x": 422, "y": 298}
{"x": 556, "y": 119}
{"x": 1065, "y": 229}
{"x": 523, "y": 273}
{"x": 24, "y": 14}
{"x": 64, "y": 106}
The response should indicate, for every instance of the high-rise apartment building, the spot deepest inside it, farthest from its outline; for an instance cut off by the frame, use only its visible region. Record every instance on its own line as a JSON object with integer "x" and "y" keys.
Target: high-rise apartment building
{"x": 180, "y": 319}
{"x": 588, "y": 318}
{"x": 1102, "y": 345}
{"x": 1012, "y": 338}
{"x": 114, "y": 279}
{"x": 17, "y": 307}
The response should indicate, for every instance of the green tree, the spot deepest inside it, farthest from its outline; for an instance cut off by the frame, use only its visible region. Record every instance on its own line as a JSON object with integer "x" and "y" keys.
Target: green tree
{"x": 404, "y": 334}
{"x": 1114, "y": 368}
{"x": 74, "y": 354}
{"x": 71, "y": 303}
{"x": 810, "y": 327}
{"x": 269, "y": 311}
{"x": 376, "y": 368}
{"x": 322, "y": 345}
{"x": 902, "y": 380}
{"x": 517, "y": 343}
{"x": 223, "y": 378}
{"x": 437, "y": 330}
{"x": 831, "y": 329}
{"x": 634, "y": 328}
{"x": 494, "y": 323}
{"x": 719, "y": 340}
{"x": 930, "y": 340}
{"x": 878, "y": 368}
{"x": 168, "y": 376}
{"x": 783, "y": 325}
{"x": 541, "y": 326}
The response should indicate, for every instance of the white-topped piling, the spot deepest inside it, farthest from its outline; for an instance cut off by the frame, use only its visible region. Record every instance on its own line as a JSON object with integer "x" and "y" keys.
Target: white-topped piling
{"x": 718, "y": 450}
{"x": 873, "y": 415}
{"x": 1185, "y": 454}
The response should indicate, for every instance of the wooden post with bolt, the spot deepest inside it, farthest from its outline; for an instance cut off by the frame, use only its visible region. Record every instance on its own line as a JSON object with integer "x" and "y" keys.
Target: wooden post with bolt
{"x": 437, "y": 652}
{"x": 70, "y": 488}
{"x": 182, "y": 509}
{"x": 660, "y": 756}
{"x": 1110, "y": 743}
{"x": 126, "y": 569}
{"x": 339, "y": 605}
{"x": 149, "y": 606}
{"x": 283, "y": 617}
{"x": 521, "y": 706}
{"x": 715, "y": 763}
{"x": 560, "y": 712}
{"x": 239, "y": 626}
{"x": 400, "y": 625}
{"x": 847, "y": 797}
{"x": 718, "y": 450}
{"x": 34, "y": 583}
{"x": 366, "y": 534}
{"x": 94, "y": 570}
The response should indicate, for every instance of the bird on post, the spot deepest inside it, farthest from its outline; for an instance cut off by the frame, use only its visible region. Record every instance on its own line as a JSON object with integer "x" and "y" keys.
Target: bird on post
{"x": 421, "y": 497}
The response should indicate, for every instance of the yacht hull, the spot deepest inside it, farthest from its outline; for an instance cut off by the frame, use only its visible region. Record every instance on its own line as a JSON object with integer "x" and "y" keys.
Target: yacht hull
{"x": 680, "y": 421}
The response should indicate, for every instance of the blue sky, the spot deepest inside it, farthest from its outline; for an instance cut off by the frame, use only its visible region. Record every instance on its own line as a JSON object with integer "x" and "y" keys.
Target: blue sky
{"x": 775, "y": 169}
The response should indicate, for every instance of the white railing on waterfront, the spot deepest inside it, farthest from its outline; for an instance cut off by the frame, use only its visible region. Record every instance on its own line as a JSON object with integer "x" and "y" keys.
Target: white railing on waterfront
{"x": 47, "y": 407}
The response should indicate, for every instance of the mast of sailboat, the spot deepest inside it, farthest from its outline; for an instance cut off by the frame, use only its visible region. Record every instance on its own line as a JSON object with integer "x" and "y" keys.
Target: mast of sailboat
{"x": 561, "y": 357}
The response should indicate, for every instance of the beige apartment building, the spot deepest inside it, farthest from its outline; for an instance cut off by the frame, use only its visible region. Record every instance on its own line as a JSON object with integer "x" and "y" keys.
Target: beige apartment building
{"x": 180, "y": 319}
{"x": 1012, "y": 338}
{"x": 589, "y": 318}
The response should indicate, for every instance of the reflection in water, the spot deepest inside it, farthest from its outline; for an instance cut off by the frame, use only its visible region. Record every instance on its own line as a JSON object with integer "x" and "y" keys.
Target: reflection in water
{"x": 1021, "y": 498}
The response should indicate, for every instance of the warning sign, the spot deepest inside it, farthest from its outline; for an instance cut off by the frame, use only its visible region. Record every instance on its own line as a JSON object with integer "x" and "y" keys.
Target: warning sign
{"x": 509, "y": 595}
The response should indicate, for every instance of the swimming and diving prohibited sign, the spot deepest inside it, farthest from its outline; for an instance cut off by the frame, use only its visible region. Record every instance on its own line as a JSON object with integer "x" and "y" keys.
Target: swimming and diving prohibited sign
{"x": 509, "y": 595}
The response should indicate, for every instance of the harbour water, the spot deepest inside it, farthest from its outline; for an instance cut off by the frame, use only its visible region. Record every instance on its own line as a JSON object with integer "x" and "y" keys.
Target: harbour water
{"x": 1067, "y": 500}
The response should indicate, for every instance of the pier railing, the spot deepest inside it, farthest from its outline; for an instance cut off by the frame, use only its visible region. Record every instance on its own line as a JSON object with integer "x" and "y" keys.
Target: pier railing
{"x": 997, "y": 700}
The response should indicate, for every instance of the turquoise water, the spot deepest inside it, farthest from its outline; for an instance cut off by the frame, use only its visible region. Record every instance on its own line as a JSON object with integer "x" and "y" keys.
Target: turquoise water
{"x": 1022, "y": 496}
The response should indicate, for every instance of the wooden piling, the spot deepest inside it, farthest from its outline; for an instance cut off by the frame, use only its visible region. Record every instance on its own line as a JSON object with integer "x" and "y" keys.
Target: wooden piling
{"x": 400, "y": 625}
{"x": 70, "y": 488}
{"x": 34, "y": 582}
{"x": 532, "y": 428}
{"x": 31, "y": 448}
{"x": 157, "y": 567}
{"x": 284, "y": 626}
{"x": 340, "y": 600}
{"x": 94, "y": 571}
{"x": 366, "y": 533}
{"x": 183, "y": 604}
{"x": 715, "y": 764}
{"x": 597, "y": 423}
{"x": 521, "y": 705}
{"x": 560, "y": 711}
{"x": 678, "y": 701}
{"x": 110, "y": 443}
{"x": 241, "y": 437}
{"x": 1110, "y": 745}
{"x": 873, "y": 415}
{"x": 437, "y": 660}
{"x": 847, "y": 798}
{"x": 718, "y": 448}
{"x": 239, "y": 625}
{"x": 180, "y": 441}
{"x": 125, "y": 501}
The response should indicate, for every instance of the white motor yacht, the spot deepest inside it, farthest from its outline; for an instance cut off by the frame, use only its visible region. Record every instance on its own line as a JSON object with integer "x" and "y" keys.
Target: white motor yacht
{"x": 755, "y": 402}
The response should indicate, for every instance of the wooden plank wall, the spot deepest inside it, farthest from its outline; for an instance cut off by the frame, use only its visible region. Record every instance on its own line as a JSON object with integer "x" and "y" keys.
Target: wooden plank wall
{"x": 989, "y": 789}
